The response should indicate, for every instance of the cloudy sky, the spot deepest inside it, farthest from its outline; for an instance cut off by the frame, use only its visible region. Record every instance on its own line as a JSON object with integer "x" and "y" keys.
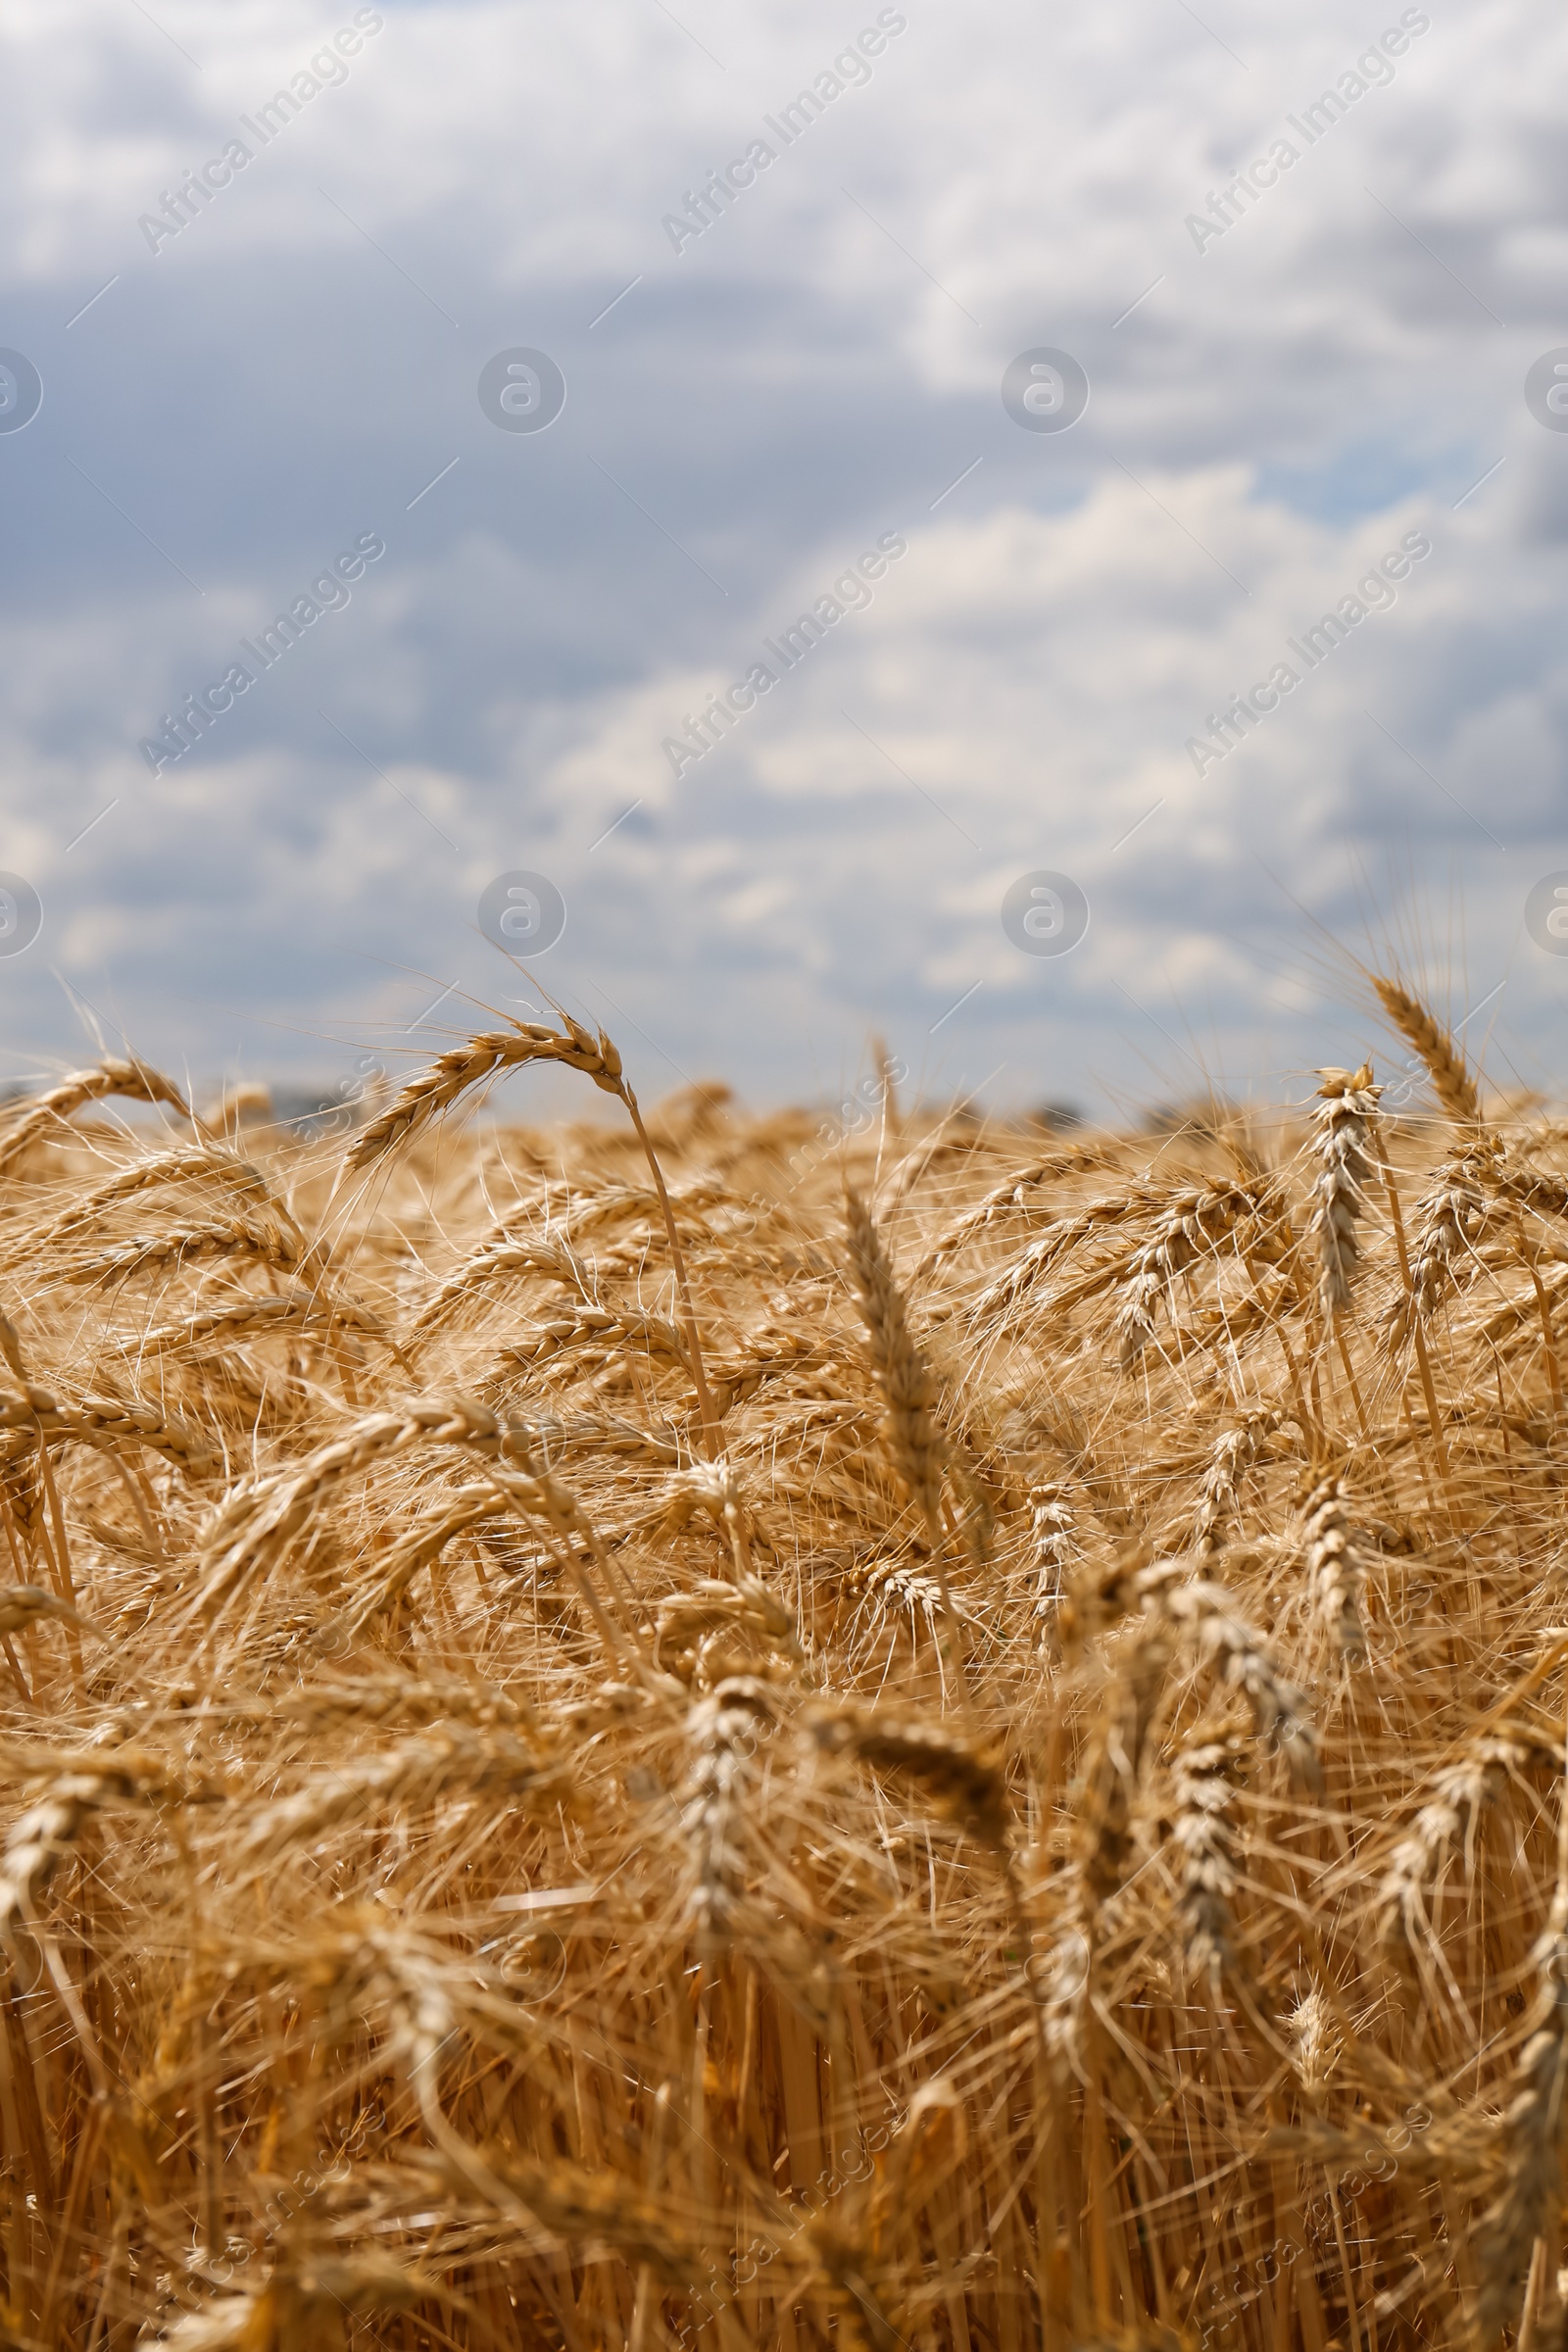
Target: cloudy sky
{"x": 235, "y": 398}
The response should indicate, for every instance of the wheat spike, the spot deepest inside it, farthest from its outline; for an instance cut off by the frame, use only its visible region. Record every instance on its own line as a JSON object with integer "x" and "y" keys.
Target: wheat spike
{"x": 1530, "y": 2203}
{"x": 1335, "y": 1569}
{"x": 1191, "y": 1227}
{"x": 47, "y": 1113}
{"x": 1347, "y": 1142}
{"x": 1207, "y": 1772}
{"x": 274, "y": 1240}
{"x": 1451, "y": 1081}
{"x": 189, "y": 1164}
{"x": 1076, "y": 1160}
{"x": 470, "y": 1064}
{"x": 903, "y": 1380}
{"x": 1460, "y": 1792}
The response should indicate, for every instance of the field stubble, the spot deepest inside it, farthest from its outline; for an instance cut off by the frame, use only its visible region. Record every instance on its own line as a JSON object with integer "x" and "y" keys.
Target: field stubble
{"x": 606, "y": 1745}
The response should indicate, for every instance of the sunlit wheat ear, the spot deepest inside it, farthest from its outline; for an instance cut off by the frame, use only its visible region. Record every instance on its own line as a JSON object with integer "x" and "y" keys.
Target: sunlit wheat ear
{"x": 44, "y": 1117}
{"x": 24, "y": 1604}
{"x": 1193, "y": 1227}
{"x": 1011, "y": 1194}
{"x": 722, "y": 1731}
{"x": 547, "y": 1254}
{"x": 107, "y": 1422}
{"x": 423, "y": 1698}
{"x": 1209, "y": 1767}
{"x": 1103, "y": 1834}
{"x": 299, "y": 1309}
{"x": 1204, "y": 1613}
{"x": 596, "y": 1335}
{"x": 1529, "y": 2207}
{"x": 1345, "y": 1147}
{"x": 902, "y": 1589}
{"x": 454, "y": 1074}
{"x": 397, "y": 1569}
{"x": 48, "y": 1833}
{"x": 1054, "y": 1528}
{"x": 770, "y": 1351}
{"x": 191, "y": 1163}
{"x": 962, "y": 1782}
{"x": 272, "y": 1239}
{"x": 905, "y": 1382}
{"x": 1099, "y": 1593}
{"x": 1460, "y": 1792}
{"x": 1315, "y": 2041}
{"x": 1451, "y": 1081}
{"x": 1139, "y": 1661}
{"x": 259, "y": 1519}
{"x": 1013, "y": 1286}
{"x": 1219, "y": 1502}
{"x": 721, "y": 1629}
{"x": 1535, "y": 1188}
{"x": 575, "y": 1047}
{"x": 1336, "y": 1568}
{"x": 493, "y": 1764}
{"x": 1451, "y": 1215}
{"x": 716, "y": 1488}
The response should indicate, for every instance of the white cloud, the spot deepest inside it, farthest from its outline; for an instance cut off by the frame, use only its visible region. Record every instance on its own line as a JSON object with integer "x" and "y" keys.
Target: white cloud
{"x": 1271, "y": 417}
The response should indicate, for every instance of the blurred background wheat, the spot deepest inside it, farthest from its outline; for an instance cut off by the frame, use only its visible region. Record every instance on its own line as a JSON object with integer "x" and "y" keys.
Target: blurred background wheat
{"x": 682, "y": 1730}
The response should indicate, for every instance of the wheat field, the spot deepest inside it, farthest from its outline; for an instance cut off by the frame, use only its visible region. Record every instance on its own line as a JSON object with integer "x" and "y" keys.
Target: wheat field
{"x": 687, "y": 1730}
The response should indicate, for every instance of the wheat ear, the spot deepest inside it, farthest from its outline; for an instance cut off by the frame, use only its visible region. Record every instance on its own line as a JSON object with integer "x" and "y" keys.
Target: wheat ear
{"x": 1204, "y": 1781}
{"x": 1335, "y": 1569}
{"x": 964, "y": 1784}
{"x": 133, "y": 1079}
{"x": 1075, "y": 1160}
{"x": 1347, "y": 1125}
{"x": 904, "y": 1379}
{"x": 1460, "y": 1792}
{"x": 187, "y": 1164}
{"x": 1451, "y": 1081}
{"x": 277, "y": 1240}
{"x": 576, "y": 1047}
{"x": 1530, "y": 2204}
